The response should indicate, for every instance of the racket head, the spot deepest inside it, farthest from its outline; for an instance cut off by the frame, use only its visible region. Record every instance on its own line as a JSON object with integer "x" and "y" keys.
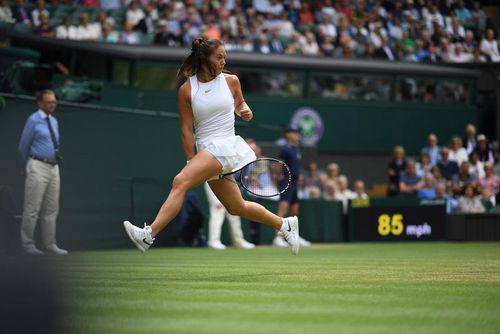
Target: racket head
{"x": 265, "y": 177}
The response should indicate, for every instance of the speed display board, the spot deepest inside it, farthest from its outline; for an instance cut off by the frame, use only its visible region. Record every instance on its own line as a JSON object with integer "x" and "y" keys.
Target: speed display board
{"x": 393, "y": 223}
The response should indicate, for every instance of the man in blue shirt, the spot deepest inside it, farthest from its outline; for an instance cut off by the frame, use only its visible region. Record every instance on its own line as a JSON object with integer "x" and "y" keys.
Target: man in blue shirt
{"x": 39, "y": 153}
{"x": 432, "y": 149}
{"x": 289, "y": 202}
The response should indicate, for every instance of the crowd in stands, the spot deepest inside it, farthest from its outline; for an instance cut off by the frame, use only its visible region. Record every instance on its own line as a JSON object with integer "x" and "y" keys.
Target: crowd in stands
{"x": 330, "y": 185}
{"x": 466, "y": 172}
{"x": 432, "y": 31}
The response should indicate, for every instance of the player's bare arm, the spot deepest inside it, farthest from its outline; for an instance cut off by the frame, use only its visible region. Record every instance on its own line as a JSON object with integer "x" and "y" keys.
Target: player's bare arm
{"x": 241, "y": 108}
{"x": 186, "y": 120}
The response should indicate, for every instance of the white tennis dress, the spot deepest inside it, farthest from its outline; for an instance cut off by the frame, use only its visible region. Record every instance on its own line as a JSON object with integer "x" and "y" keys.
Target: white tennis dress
{"x": 213, "y": 111}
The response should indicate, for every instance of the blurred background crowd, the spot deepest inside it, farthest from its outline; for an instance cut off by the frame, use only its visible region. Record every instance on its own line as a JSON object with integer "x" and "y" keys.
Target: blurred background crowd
{"x": 465, "y": 171}
{"x": 454, "y": 31}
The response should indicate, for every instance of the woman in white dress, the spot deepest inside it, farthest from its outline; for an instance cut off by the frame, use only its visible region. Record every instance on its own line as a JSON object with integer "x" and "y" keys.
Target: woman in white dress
{"x": 208, "y": 101}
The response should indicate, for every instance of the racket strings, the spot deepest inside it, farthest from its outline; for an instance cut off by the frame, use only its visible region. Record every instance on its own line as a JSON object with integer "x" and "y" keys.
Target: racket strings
{"x": 266, "y": 178}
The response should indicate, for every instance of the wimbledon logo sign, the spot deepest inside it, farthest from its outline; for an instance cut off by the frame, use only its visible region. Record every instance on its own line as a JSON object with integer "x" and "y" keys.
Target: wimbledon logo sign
{"x": 310, "y": 125}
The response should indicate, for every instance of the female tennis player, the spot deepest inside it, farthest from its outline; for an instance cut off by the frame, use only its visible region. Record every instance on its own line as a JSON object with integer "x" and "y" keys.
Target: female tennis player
{"x": 207, "y": 101}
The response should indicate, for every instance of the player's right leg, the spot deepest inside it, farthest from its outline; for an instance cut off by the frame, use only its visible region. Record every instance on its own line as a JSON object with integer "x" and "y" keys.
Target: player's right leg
{"x": 202, "y": 167}
{"x": 230, "y": 196}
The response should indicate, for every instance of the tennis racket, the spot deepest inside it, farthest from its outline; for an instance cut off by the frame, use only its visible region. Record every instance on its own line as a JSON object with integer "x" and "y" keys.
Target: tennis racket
{"x": 264, "y": 177}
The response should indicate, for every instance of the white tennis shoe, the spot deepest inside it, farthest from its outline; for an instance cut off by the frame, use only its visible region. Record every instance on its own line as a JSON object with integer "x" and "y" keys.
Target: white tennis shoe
{"x": 141, "y": 237}
{"x": 290, "y": 232}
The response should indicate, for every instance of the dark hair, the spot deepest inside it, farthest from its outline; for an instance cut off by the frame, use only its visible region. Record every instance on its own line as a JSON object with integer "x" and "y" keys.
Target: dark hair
{"x": 201, "y": 49}
{"x": 40, "y": 94}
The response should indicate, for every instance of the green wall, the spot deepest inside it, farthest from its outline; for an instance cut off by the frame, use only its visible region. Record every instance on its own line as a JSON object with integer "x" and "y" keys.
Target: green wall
{"x": 102, "y": 151}
{"x": 349, "y": 127}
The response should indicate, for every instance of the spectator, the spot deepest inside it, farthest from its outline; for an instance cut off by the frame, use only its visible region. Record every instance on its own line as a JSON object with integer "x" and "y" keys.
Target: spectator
{"x": 44, "y": 28}
{"x": 262, "y": 45}
{"x": 441, "y": 193}
{"x": 496, "y": 166}
{"x": 478, "y": 17}
{"x": 329, "y": 191}
{"x": 5, "y": 12}
{"x": 447, "y": 167}
{"x": 343, "y": 193}
{"x": 457, "y": 152}
{"x": 306, "y": 16}
{"x": 100, "y": 22}
{"x": 432, "y": 148}
{"x": 483, "y": 149}
{"x": 469, "y": 44}
{"x": 385, "y": 51}
{"x": 359, "y": 190}
{"x": 302, "y": 191}
{"x": 312, "y": 178}
{"x": 163, "y": 36}
{"x": 294, "y": 48}
{"x": 310, "y": 47}
{"x": 20, "y": 13}
{"x": 489, "y": 46}
{"x": 108, "y": 34}
{"x": 489, "y": 185}
{"x": 424, "y": 165}
{"x": 90, "y": 3}
{"x": 134, "y": 13}
{"x": 332, "y": 173}
{"x": 128, "y": 35}
{"x": 39, "y": 9}
{"x": 470, "y": 202}
{"x": 470, "y": 139}
{"x": 457, "y": 56}
{"x": 462, "y": 179}
{"x": 326, "y": 27}
{"x": 456, "y": 31}
{"x": 66, "y": 30}
{"x": 285, "y": 28}
{"x": 427, "y": 191}
{"x": 275, "y": 44}
{"x": 110, "y": 4}
{"x": 462, "y": 13}
{"x": 85, "y": 31}
{"x": 396, "y": 167}
{"x": 410, "y": 182}
{"x": 436, "y": 173}
{"x": 146, "y": 24}
{"x": 476, "y": 167}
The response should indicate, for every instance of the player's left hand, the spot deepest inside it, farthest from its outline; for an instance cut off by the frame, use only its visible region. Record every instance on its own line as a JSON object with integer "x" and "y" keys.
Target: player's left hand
{"x": 246, "y": 114}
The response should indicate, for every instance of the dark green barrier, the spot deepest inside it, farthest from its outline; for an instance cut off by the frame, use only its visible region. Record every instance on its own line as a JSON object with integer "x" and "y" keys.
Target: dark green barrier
{"x": 102, "y": 151}
{"x": 319, "y": 221}
{"x": 397, "y": 219}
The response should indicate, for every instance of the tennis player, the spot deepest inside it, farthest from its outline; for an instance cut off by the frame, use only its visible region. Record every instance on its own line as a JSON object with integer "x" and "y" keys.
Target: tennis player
{"x": 207, "y": 101}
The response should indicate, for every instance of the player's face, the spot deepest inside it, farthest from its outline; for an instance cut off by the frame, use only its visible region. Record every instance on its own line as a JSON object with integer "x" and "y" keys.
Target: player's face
{"x": 217, "y": 59}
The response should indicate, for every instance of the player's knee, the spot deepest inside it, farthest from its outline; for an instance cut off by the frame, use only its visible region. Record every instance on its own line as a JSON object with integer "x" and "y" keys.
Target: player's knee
{"x": 180, "y": 182}
{"x": 235, "y": 210}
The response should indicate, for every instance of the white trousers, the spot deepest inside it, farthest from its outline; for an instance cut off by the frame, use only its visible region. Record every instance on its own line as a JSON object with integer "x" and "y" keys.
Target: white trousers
{"x": 217, "y": 215}
{"x": 41, "y": 203}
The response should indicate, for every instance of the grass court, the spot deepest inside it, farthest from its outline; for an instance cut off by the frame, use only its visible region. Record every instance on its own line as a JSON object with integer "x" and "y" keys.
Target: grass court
{"x": 339, "y": 288}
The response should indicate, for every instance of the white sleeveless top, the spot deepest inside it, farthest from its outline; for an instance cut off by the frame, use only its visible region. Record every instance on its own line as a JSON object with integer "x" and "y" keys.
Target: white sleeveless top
{"x": 213, "y": 108}
{"x": 212, "y": 104}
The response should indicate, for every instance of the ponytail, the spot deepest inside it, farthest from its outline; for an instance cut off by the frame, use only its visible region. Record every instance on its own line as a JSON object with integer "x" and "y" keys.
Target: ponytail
{"x": 201, "y": 48}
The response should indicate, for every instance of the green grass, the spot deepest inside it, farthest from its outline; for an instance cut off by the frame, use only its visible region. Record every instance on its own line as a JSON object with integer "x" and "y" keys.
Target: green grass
{"x": 344, "y": 288}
